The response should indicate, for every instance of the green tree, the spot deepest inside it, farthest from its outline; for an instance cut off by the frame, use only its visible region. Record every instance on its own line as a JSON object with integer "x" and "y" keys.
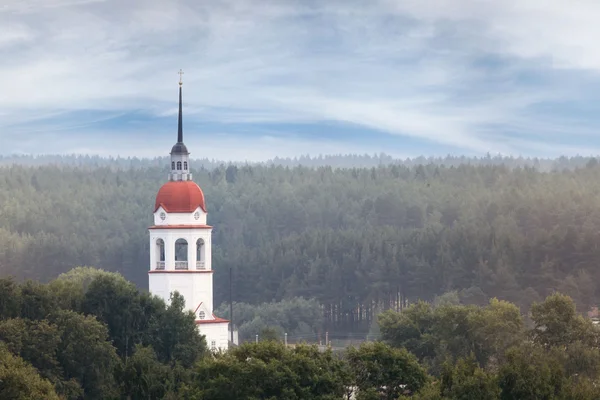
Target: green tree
{"x": 20, "y": 381}
{"x": 143, "y": 376}
{"x": 494, "y": 329}
{"x": 412, "y": 329}
{"x": 37, "y": 342}
{"x": 466, "y": 381}
{"x": 176, "y": 337}
{"x": 558, "y": 324}
{"x": 377, "y": 367}
{"x": 115, "y": 302}
{"x": 269, "y": 333}
{"x": 70, "y": 287}
{"x": 37, "y": 301}
{"x": 530, "y": 373}
{"x": 85, "y": 354}
{"x": 268, "y": 370}
{"x": 10, "y": 298}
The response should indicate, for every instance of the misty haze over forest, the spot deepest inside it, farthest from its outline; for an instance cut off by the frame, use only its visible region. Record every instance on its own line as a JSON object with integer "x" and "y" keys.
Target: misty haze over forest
{"x": 335, "y": 161}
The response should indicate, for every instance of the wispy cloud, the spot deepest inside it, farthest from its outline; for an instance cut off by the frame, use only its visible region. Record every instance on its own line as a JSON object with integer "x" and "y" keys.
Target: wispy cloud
{"x": 463, "y": 76}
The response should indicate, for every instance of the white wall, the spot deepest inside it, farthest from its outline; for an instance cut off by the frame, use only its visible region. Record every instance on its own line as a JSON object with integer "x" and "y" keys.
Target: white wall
{"x": 217, "y": 332}
{"x": 179, "y": 218}
{"x": 195, "y": 288}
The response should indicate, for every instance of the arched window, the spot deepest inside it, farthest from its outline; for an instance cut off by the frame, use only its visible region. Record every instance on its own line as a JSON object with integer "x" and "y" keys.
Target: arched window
{"x": 185, "y": 165}
{"x": 181, "y": 254}
{"x": 178, "y": 165}
{"x": 201, "y": 315}
{"x": 172, "y": 164}
{"x": 160, "y": 254}
{"x": 200, "y": 260}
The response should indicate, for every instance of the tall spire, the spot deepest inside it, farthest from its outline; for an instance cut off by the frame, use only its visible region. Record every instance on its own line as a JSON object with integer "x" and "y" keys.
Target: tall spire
{"x": 180, "y": 122}
{"x": 180, "y": 156}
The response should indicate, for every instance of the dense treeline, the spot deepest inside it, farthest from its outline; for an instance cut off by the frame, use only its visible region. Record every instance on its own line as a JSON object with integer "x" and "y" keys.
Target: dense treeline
{"x": 356, "y": 240}
{"x": 334, "y": 161}
{"x": 91, "y": 334}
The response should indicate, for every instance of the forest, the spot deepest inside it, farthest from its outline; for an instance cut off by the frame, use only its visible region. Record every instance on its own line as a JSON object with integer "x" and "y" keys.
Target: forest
{"x": 91, "y": 334}
{"x": 348, "y": 242}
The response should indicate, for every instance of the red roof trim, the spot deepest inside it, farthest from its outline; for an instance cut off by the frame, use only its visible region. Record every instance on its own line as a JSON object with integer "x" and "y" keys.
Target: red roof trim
{"x": 198, "y": 307}
{"x": 217, "y": 320}
{"x": 180, "y": 227}
{"x": 180, "y": 271}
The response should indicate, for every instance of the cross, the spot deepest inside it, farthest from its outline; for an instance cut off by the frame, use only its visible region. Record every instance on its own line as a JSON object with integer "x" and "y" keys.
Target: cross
{"x": 180, "y": 76}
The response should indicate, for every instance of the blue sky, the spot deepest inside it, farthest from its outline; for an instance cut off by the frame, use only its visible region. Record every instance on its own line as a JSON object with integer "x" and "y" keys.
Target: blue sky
{"x": 287, "y": 78}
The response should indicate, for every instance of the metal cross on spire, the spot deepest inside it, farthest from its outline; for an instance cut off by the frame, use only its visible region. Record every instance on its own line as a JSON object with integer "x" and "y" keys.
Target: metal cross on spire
{"x": 180, "y": 77}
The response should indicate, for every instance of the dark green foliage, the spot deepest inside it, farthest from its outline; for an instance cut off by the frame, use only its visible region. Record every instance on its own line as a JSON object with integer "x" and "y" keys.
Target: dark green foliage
{"x": 353, "y": 239}
{"x": 268, "y": 370}
{"x": 452, "y": 332}
{"x": 466, "y": 381}
{"x": 10, "y": 306}
{"x": 86, "y": 355}
{"x": 20, "y": 381}
{"x": 37, "y": 300}
{"x": 298, "y": 317}
{"x": 270, "y": 333}
{"x": 116, "y": 302}
{"x": 378, "y": 367}
{"x": 131, "y": 345}
{"x": 143, "y": 376}
{"x": 73, "y": 330}
{"x": 558, "y": 324}
{"x": 529, "y": 373}
{"x": 176, "y": 337}
{"x": 37, "y": 342}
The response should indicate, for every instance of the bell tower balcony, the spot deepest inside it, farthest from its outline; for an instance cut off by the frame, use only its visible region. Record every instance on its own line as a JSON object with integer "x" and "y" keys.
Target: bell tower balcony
{"x": 181, "y": 265}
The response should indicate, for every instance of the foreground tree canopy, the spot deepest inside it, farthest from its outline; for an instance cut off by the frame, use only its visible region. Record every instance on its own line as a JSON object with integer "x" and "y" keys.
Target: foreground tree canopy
{"x": 86, "y": 332}
{"x": 90, "y": 334}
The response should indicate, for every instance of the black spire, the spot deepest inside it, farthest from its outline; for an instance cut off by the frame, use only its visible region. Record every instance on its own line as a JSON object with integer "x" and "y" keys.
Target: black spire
{"x": 180, "y": 125}
{"x": 179, "y": 147}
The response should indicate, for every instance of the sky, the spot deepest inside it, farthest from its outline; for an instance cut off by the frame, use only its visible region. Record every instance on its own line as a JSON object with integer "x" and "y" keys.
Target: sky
{"x": 295, "y": 77}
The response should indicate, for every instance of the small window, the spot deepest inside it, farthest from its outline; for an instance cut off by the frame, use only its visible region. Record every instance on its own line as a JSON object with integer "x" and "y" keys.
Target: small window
{"x": 213, "y": 344}
{"x": 201, "y": 315}
{"x": 178, "y": 165}
{"x": 172, "y": 164}
{"x": 185, "y": 165}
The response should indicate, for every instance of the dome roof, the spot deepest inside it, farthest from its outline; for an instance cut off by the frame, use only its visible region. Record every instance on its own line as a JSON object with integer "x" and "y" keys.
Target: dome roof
{"x": 180, "y": 197}
{"x": 179, "y": 148}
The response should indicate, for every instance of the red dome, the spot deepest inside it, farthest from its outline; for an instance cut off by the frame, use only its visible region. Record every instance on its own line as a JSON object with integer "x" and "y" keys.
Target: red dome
{"x": 180, "y": 197}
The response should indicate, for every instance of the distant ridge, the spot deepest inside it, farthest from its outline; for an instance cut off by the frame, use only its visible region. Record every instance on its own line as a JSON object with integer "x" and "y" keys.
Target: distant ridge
{"x": 334, "y": 161}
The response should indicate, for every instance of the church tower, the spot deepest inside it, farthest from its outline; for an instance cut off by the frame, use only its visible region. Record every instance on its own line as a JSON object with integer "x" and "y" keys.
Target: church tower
{"x": 180, "y": 245}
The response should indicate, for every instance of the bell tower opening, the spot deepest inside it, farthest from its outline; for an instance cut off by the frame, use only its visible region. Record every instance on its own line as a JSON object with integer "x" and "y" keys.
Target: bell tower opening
{"x": 181, "y": 254}
{"x": 200, "y": 254}
{"x": 160, "y": 254}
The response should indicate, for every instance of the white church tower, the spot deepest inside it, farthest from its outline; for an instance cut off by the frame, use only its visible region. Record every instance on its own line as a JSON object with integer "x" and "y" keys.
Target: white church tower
{"x": 180, "y": 245}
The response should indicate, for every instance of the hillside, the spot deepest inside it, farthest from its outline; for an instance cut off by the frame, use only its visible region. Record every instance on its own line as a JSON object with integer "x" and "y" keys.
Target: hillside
{"x": 352, "y": 238}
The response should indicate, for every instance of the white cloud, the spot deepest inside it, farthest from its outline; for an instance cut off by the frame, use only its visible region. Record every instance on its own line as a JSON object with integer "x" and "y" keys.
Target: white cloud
{"x": 404, "y": 67}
